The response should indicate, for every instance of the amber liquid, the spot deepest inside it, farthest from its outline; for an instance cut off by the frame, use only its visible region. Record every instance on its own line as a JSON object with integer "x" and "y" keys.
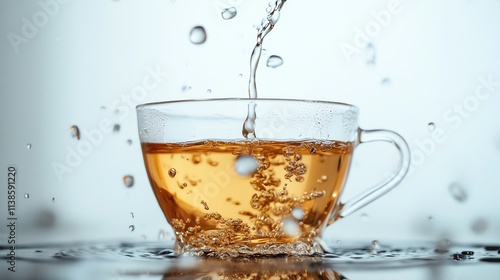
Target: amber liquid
{"x": 215, "y": 207}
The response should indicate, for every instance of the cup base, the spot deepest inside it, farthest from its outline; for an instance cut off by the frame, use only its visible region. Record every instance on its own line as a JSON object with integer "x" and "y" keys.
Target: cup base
{"x": 270, "y": 249}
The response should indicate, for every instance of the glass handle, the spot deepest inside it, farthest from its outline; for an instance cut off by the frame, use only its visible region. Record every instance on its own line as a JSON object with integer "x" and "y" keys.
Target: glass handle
{"x": 367, "y": 136}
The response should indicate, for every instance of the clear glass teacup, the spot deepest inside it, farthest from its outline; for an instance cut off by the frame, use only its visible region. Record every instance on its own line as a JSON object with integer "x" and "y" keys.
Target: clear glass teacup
{"x": 226, "y": 195}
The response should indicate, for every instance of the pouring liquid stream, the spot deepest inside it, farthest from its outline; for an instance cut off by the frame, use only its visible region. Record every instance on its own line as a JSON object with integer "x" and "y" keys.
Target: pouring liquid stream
{"x": 267, "y": 25}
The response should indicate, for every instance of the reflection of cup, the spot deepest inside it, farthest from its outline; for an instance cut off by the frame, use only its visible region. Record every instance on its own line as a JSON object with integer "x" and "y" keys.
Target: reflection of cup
{"x": 225, "y": 195}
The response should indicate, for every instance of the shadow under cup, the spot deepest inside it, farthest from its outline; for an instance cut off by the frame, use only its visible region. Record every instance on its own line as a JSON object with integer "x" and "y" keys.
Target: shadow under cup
{"x": 226, "y": 195}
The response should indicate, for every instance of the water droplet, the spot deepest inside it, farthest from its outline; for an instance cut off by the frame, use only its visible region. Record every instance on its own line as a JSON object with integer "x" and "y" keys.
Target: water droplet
{"x": 386, "y": 81}
{"x": 228, "y": 13}
{"x": 129, "y": 141}
{"x": 375, "y": 245}
{"x": 339, "y": 242}
{"x": 103, "y": 108}
{"x": 479, "y": 226}
{"x": 245, "y": 165}
{"x": 26, "y": 195}
{"x": 28, "y": 146}
{"x": 274, "y": 61}
{"x": 209, "y": 91}
{"x": 290, "y": 226}
{"x": 131, "y": 227}
{"x": 240, "y": 75}
{"x": 75, "y": 132}
{"x": 431, "y": 126}
{"x": 324, "y": 178}
{"x": 128, "y": 181}
{"x": 457, "y": 257}
{"x": 198, "y": 35}
{"x": 370, "y": 54}
{"x": 172, "y": 172}
{"x": 53, "y": 200}
{"x": 162, "y": 235}
{"x": 186, "y": 88}
{"x": 298, "y": 213}
{"x": 116, "y": 128}
{"x": 468, "y": 253}
{"x": 132, "y": 214}
{"x": 457, "y": 192}
{"x": 364, "y": 217}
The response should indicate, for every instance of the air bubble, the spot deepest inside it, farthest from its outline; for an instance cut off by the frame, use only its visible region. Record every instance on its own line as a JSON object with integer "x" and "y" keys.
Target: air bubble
{"x": 228, "y": 13}
{"x": 131, "y": 227}
{"x": 245, "y": 165}
{"x": 172, "y": 172}
{"x": 28, "y": 146}
{"x": 291, "y": 227}
{"x": 116, "y": 128}
{"x": 26, "y": 195}
{"x": 274, "y": 61}
{"x": 298, "y": 213}
{"x": 128, "y": 181}
{"x": 457, "y": 192}
{"x": 431, "y": 126}
{"x": 198, "y": 35}
{"x": 75, "y": 132}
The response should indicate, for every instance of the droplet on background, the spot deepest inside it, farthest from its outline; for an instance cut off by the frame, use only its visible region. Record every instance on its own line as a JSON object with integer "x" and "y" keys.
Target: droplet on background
{"x": 53, "y": 200}
{"x": 26, "y": 195}
{"x": 291, "y": 227}
{"x": 364, "y": 217}
{"x": 186, "y": 88}
{"x": 198, "y": 35}
{"x": 162, "y": 235}
{"x": 386, "y": 81}
{"x": 172, "y": 172}
{"x": 128, "y": 181}
{"x": 28, "y": 146}
{"x": 240, "y": 75}
{"x": 245, "y": 165}
{"x": 375, "y": 245}
{"x": 457, "y": 192}
{"x": 209, "y": 91}
{"x": 274, "y": 61}
{"x": 479, "y": 226}
{"x": 298, "y": 213}
{"x": 116, "y": 128}
{"x": 229, "y": 13}
{"x": 103, "y": 108}
{"x": 431, "y": 126}
{"x": 129, "y": 141}
{"x": 370, "y": 54}
{"x": 75, "y": 132}
{"x": 143, "y": 237}
{"x": 131, "y": 227}
{"x": 132, "y": 214}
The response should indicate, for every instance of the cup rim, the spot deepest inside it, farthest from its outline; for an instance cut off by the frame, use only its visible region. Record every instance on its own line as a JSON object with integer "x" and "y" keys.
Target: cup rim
{"x": 140, "y": 106}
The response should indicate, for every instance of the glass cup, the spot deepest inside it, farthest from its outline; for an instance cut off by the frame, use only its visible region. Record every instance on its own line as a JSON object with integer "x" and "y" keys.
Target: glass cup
{"x": 270, "y": 193}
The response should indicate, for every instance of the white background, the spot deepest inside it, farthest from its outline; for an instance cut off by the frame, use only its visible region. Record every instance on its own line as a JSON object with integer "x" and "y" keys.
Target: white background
{"x": 87, "y": 56}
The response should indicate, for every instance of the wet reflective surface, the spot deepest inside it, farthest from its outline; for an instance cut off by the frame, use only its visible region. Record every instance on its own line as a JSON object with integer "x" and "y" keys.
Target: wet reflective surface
{"x": 345, "y": 261}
